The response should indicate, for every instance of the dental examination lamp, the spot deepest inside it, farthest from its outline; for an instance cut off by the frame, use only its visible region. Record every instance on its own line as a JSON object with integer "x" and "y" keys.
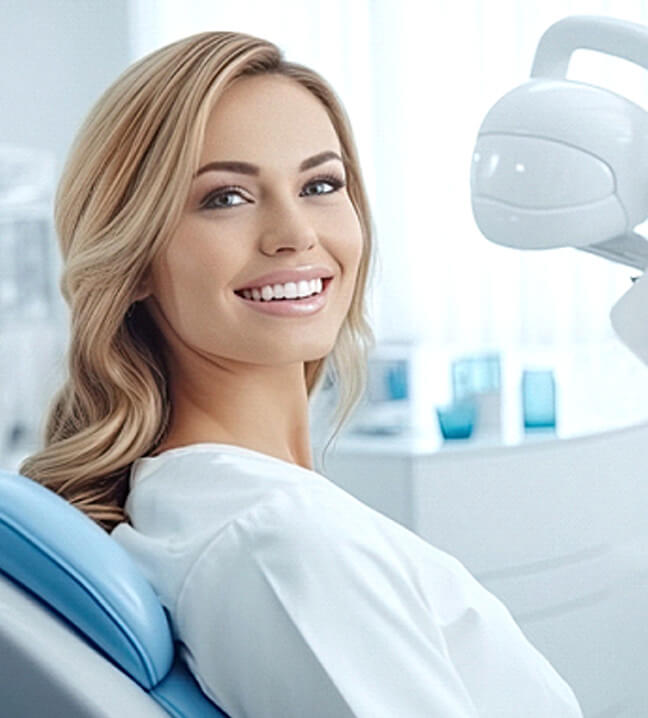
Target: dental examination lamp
{"x": 561, "y": 163}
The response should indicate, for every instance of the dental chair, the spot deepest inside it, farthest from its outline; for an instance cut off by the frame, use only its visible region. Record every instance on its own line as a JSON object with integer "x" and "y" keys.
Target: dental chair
{"x": 82, "y": 633}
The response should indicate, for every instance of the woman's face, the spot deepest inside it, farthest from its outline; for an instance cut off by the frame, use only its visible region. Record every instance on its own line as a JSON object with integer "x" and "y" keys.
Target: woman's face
{"x": 237, "y": 226}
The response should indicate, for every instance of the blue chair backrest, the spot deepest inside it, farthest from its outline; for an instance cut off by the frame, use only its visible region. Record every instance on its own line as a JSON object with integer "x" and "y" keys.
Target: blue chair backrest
{"x": 71, "y": 564}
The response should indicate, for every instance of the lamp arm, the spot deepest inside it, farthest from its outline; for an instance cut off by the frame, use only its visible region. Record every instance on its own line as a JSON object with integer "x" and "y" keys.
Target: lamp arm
{"x": 630, "y": 249}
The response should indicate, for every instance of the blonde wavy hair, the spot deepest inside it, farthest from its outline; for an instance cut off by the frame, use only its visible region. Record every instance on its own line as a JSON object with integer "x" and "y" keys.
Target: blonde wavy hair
{"x": 120, "y": 197}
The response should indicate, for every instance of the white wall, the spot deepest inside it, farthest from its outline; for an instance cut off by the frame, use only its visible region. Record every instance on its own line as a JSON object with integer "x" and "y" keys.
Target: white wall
{"x": 56, "y": 57}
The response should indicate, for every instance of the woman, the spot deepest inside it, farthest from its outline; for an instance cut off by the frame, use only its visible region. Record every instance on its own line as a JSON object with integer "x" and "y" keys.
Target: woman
{"x": 183, "y": 426}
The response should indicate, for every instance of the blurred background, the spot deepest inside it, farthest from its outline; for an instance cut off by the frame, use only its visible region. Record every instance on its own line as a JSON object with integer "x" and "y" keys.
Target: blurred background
{"x": 503, "y": 419}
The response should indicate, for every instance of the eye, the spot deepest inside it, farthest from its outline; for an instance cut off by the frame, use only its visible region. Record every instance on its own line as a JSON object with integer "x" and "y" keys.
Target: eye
{"x": 332, "y": 180}
{"x": 212, "y": 200}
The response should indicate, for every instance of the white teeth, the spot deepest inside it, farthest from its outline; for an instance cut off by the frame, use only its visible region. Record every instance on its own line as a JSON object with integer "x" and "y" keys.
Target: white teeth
{"x": 290, "y": 290}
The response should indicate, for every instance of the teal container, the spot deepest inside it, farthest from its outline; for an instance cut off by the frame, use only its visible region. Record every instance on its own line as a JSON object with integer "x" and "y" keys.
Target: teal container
{"x": 538, "y": 399}
{"x": 473, "y": 375}
{"x": 397, "y": 381}
{"x": 457, "y": 421}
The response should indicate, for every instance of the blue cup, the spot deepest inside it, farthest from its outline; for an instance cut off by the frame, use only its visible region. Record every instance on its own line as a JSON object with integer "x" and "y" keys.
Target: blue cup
{"x": 538, "y": 399}
{"x": 457, "y": 421}
{"x": 397, "y": 381}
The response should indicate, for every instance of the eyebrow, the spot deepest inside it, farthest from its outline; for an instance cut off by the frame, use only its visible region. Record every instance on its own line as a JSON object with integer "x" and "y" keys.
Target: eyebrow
{"x": 249, "y": 169}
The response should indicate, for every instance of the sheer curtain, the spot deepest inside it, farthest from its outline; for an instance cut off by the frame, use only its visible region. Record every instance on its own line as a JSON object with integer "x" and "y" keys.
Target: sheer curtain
{"x": 417, "y": 79}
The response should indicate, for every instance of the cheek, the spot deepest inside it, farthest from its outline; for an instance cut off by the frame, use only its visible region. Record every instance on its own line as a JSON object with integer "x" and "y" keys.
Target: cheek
{"x": 196, "y": 261}
{"x": 180, "y": 280}
{"x": 352, "y": 243}
{"x": 347, "y": 248}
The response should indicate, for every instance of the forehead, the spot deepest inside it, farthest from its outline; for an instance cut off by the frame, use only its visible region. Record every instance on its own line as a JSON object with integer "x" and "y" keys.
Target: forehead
{"x": 268, "y": 119}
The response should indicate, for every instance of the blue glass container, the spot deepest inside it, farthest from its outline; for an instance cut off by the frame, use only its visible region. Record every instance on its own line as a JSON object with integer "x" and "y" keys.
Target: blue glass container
{"x": 457, "y": 421}
{"x": 538, "y": 399}
{"x": 480, "y": 374}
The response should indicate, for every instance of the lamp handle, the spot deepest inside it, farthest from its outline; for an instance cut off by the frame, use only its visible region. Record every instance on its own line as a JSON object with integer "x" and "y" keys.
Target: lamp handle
{"x": 621, "y": 38}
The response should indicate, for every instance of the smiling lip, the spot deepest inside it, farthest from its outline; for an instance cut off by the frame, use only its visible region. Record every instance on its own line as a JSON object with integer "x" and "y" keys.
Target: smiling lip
{"x": 292, "y": 307}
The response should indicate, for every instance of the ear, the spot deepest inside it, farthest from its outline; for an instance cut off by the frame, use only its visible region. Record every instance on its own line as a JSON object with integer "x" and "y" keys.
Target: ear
{"x": 143, "y": 289}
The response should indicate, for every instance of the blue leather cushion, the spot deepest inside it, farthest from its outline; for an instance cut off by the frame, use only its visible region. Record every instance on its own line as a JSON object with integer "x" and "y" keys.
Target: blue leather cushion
{"x": 181, "y": 696}
{"x": 71, "y": 563}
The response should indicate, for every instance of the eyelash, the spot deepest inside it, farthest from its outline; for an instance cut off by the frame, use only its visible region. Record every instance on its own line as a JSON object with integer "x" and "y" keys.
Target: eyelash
{"x": 336, "y": 183}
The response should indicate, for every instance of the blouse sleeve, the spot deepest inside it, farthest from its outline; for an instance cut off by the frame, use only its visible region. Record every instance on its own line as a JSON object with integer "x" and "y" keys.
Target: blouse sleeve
{"x": 296, "y": 609}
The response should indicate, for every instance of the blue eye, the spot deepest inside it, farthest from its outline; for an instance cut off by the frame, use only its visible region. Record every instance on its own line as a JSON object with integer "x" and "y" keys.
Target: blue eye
{"x": 223, "y": 192}
{"x": 328, "y": 179}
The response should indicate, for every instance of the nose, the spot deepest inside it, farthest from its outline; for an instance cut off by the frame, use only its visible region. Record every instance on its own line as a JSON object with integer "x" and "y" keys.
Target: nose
{"x": 288, "y": 225}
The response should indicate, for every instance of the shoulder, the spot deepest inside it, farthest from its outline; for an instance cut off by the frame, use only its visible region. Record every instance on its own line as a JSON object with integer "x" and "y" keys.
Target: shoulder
{"x": 203, "y": 489}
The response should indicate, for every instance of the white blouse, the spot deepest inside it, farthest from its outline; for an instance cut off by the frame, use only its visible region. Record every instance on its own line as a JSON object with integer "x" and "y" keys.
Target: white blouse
{"x": 291, "y": 598}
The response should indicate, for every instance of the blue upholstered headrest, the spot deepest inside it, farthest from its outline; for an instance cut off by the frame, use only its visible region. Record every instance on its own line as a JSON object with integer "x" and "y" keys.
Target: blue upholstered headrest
{"x": 70, "y": 562}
